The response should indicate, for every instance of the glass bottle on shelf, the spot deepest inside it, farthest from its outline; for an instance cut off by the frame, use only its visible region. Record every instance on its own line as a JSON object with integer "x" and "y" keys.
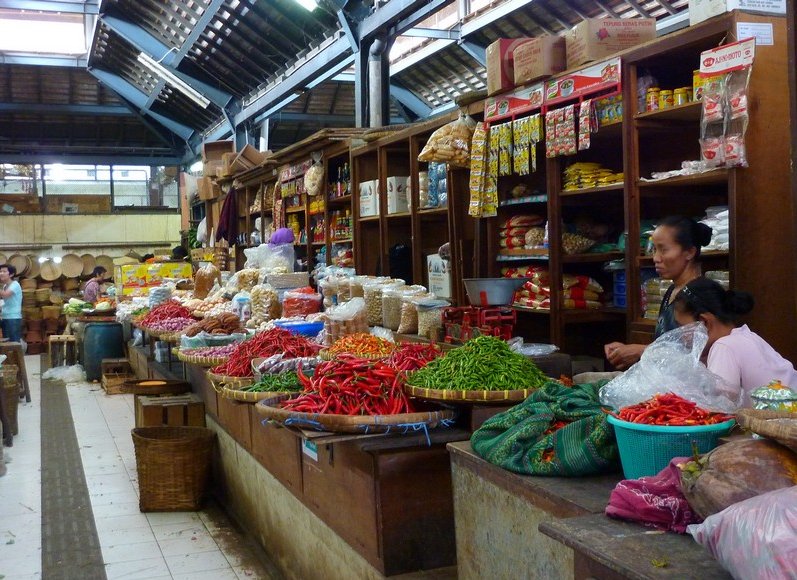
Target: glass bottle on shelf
{"x": 346, "y": 179}
{"x": 339, "y": 184}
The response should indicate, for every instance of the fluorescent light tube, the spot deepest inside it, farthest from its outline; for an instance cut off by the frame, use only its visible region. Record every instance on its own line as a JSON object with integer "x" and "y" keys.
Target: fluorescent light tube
{"x": 308, "y": 5}
{"x": 159, "y": 70}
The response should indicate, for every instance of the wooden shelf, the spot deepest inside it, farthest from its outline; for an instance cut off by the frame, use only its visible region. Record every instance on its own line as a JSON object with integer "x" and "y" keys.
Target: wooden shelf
{"x": 370, "y": 218}
{"x": 596, "y": 257}
{"x": 343, "y": 241}
{"x": 433, "y": 211}
{"x": 318, "y": 244}
{"x": 398, "y": 215}
{"x": 521, "y": 257}
{"x": 297, "y": 209}
{"x": 592, "y": 190}
{"x": 322, "y": 212}
{"x": 530, "y": 310}
{"x": 339, "y": 200}
{"x": 572, "y": 316}
{"x": 714, "y": 177}
{"x": 687, "y": 112}
{"x": 529, "y": 199}
{"x": 707, "y": 255}
{"x": 645, "y": 322}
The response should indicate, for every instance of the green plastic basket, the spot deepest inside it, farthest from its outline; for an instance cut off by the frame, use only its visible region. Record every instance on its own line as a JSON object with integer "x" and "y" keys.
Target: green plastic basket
{"x": 647, "y": 449}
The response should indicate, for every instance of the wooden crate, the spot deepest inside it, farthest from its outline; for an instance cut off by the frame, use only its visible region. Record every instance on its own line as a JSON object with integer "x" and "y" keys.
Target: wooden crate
{"x": 116, "y": 366}
{"x": 173, "y": 410}
{"x": 62, "y": 349}
{"x": 112, "y": 383}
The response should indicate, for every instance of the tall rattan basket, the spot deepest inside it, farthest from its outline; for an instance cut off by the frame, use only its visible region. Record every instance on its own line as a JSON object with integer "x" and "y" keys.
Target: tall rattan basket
{"x": 173, "y": 467}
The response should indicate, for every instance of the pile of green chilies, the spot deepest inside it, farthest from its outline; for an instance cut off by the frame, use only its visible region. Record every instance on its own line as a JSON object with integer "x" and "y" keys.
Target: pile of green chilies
{"x": 484, "y": 363}
{"x": 287, "y": 382}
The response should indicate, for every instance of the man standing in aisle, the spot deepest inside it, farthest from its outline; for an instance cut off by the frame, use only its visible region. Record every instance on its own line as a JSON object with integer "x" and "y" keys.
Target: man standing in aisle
{"x": 92, "y": 291}
{"x": 11, "y": 293}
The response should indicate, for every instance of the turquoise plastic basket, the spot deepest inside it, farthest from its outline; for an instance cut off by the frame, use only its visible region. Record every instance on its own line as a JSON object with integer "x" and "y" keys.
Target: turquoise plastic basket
{"x": 647, "y": 449}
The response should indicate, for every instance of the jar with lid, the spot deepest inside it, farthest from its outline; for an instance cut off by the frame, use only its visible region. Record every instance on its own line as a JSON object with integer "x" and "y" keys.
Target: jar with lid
{"x": 652, "y": 99}
{"x": 680, "y": 97}
{"x": 665, "y": 99}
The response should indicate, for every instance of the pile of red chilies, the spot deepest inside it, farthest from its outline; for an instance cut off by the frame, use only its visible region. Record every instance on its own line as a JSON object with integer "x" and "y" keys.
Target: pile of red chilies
{"x": 263, "y": 345}
{"x": 672, "y": 410}
{"x": 352, "y": 386}
{"x": 161, "y": 312}
{"x": 411, "y": 357}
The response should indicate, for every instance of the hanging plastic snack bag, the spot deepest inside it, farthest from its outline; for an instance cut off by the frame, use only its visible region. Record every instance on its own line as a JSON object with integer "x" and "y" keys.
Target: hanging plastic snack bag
{"x": 585, "y": 124}
{"x": 714, "y": 100}
{"x": 478, "y": 169}
{"x": 505, "y": 148}
{"x": 735, "y": 153}
{"x": 314, "y": 179}
{"x": 568, "y": 131}
{"x": 550, "y": 133}
{"x": 521, "y": 136}
{"x": 451, "y": 143}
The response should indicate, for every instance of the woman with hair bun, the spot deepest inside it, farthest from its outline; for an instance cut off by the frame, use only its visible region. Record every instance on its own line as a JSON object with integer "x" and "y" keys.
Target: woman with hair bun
{"x": 677, "y": 242}
{"x": 737, "y": 354}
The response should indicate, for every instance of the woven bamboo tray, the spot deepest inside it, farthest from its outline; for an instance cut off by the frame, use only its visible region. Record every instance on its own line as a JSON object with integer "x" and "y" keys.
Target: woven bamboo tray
{"x": 247, "y": 396}
{"x": 173, "y": 465}
{"x": 230, "y": 382}
{"x": 203, "y": 361}
{"x": 155, "y": 387}
{"x": 171, "y": 336}
{"x": 456, "y": 396}
{"x": 362, "y": 424}
{"x": 778, "y": 425}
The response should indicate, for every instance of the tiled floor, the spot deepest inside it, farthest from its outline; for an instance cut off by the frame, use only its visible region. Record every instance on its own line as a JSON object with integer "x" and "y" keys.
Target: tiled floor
{"x": 134, "y": 545}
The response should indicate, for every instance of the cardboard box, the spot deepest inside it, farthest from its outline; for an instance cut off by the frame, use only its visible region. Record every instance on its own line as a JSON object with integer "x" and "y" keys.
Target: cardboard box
{"x": 598, "y": 38}
{"x": 700, "y": 10}
{"x": 369, "y": 198}
{"x": 500, "y": 61}
{"x": 540, "y": 58}
{"x": 213, "y": 150}
{"x": 398, "y": 194}
{"x": 439, "y": 274}
{"x": 207, "y": 189}
{"x": 174, "y": 411}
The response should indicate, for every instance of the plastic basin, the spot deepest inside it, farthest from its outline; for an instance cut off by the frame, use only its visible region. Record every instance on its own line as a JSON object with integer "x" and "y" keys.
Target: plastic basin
{"x": 301, "y": 327}
{"x": 492, "y": 291}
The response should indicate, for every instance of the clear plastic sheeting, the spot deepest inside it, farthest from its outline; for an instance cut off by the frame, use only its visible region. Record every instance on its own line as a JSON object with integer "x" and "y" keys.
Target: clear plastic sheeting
{"x": 69, "y": 375}
{"x": 672, "y": 364}
{"x": 755, "y": 538}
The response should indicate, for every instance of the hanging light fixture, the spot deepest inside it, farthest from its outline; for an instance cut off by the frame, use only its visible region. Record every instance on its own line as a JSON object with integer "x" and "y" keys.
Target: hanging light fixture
{"x": 161, "y": 71}
{"x": 308, "y": 5}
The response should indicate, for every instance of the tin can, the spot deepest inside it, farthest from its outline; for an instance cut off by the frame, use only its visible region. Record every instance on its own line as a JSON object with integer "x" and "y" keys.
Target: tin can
{"x": 697, "y": 85}
{"x": 679, "y": 97}
{"x": 665, "y": 99}
{"x": 652, "y": 99}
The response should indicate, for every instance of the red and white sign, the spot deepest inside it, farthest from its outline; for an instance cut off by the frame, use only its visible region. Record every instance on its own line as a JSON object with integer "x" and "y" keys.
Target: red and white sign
{"x": 583, "y": 82}
{"x": 505, "y": 106}
{"x": 725, "y": 59}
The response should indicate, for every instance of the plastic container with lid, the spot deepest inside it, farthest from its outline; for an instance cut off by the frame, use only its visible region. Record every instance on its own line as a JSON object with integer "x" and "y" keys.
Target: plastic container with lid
{"x": 652, "y": 99}
{"x": 665, "y": 99}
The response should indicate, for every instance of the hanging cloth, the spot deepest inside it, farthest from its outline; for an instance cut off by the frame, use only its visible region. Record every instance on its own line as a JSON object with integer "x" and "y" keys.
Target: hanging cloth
{"x": 228, "y": 220}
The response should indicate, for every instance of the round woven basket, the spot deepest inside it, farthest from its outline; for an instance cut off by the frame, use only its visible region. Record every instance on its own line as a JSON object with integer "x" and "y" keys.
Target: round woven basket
{"x": 88, "y": 264}
{"x": 173, "y": 466}
{"x": 203, "y": 361}
{"x": 456, "y": 396}
{"x": 404, "y": 422}
{"x": 21, "y": 263}
{"x": 28, "y": 284}
{"x": 220, "y": 381}
{"x": 778, "y": 425}
{"x": 50, "y": 271}
{"x": 247, "y": 396}
{"x": 72, "y": 265}
{"x": 33, "y": 269}
{"x": 107, "y": 263}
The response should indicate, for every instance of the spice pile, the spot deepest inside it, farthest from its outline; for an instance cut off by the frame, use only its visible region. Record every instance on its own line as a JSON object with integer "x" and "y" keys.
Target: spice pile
{"x": 226, "y": 323}
{"x": 163, "y": 312}
{"x": 210, "y": 351}
{"x": 411, "y": 357}
{"x": 362, "y": 344}
{"x": 672, "y": 410}
{"x": 264, "y": 344}
{"x": 352, "y": 386}
{"x": 482, "y": 363}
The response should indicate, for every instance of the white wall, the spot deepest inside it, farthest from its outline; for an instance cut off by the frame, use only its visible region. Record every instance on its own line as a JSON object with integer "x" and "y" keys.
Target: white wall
{"x": 93, "y": 229}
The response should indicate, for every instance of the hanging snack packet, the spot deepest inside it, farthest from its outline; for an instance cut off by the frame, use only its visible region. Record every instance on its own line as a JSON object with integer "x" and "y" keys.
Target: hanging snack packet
{"x": 505, "y": 148}
{"x": 478, "y": 170}
{"x": 713, "y": 100}
{"x": 584, "y": 124}
{"x": 550, "y": 134}
{"x": 450, "y": 143}
{"x": 568, "y": 131}
{"x": 521, "y": 138}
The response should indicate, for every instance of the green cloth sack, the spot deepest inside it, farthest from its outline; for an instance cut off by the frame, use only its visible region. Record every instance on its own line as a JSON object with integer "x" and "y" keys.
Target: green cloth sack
{"x": 518, "y": 439}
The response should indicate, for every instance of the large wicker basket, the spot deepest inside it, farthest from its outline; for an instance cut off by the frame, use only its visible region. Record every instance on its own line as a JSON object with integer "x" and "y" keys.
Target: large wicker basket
{"x": 10, "y": 388}
{"x": 173, "y": 467}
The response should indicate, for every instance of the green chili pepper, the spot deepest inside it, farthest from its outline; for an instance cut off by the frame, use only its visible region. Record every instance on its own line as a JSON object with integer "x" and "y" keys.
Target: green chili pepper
{"x": 286, "y": 382}
{"x": 483, "y": 363}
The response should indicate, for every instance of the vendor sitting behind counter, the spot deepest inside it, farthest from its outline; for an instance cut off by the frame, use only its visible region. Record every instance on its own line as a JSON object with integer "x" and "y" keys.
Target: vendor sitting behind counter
{"x": 92, "y": 291}
{"x": 742, "y": 358}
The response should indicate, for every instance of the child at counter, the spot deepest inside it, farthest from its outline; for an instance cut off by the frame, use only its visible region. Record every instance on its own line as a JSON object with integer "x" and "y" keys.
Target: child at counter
{"x": 742, "y": 358}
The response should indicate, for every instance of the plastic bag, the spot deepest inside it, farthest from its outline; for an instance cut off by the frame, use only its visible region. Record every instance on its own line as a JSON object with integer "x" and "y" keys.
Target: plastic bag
{"x": 73, "y": 374}
{"x": 755, "y": 538}
{"x": 430, "y": 317}
{"x": 202, "y": 231}
{"x": 372, "y": 292}
{"x": 672, "y": 364}
{"x": 301, "y": 302}
{"x": 392, "y": 300}
{"x": 314, "y": 179}
{"x": 278, "y": 259}
{"x": 204, "y": 339}
{"x": 451, "y": 143}
{"x": 409, "y": 312}
{"x": 204, "y": 280}
{"x": 345, "y": 319}
{"x": 277, "y": 364}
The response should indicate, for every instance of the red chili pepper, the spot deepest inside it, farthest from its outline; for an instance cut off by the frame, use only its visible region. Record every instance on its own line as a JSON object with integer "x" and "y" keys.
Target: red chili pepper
{"x": 670, "y": 409}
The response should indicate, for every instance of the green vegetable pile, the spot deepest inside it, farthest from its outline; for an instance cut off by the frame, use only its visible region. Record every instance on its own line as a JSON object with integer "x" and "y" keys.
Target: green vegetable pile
{"x": 287, "y": 382}
{"x": 75, "y": 307}
{"x": 484, "y": 363}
